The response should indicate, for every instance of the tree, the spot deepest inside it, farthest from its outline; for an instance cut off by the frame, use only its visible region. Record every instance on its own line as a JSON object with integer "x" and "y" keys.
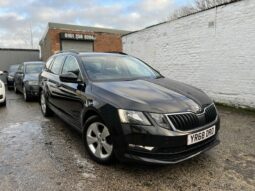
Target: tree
{"x": 198, "y": 5}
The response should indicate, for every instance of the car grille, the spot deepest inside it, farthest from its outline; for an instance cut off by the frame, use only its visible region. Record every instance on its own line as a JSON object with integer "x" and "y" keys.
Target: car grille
{"x": 189, "y": 121}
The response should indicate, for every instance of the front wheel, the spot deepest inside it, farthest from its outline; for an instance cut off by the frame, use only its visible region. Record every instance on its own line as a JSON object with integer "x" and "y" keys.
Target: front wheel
{"x": 46, "y": 111}
{"x": 25, "y": 95}
{"x": 98, "y": 141}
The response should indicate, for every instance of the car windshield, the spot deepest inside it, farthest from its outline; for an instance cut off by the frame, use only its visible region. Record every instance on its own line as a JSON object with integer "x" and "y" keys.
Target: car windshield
{"x": 33, "y": 68}
{"x": 13, "y": 68}
{"x": 108, "y": 67}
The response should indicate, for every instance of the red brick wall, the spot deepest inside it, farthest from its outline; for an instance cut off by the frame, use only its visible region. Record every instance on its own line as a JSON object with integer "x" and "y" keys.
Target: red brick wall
{"x": 104, "y": 42}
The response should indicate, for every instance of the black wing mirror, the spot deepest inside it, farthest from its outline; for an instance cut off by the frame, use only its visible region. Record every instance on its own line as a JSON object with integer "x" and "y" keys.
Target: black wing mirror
{"x": 69, "y": 77}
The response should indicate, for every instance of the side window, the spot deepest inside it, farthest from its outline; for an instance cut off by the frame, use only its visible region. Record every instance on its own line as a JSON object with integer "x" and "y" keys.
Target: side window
{"x": 57, "y": 64}
{"x": 71, "y": 65}
{"x": 21, "y": 68}
{"x": 48, "y": 63}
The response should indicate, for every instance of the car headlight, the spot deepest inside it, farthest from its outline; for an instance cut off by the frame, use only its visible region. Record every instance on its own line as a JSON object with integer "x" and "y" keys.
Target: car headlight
{"x": 160, "y": 119}
{"x": 133, "y": 117}
{"x": 33, "y": 83}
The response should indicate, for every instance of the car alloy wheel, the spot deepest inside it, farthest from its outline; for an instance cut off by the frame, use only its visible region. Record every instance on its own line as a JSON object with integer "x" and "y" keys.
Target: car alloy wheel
{"x": 44, "y": 107}
{"x": 15, "y": 88}
{"x": 98, "y": 140}
{"x": 25, "y": 93}
{"x": 43, "y": 103}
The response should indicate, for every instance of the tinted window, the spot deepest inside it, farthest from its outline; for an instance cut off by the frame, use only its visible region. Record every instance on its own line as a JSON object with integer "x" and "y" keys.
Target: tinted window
{"x": 13, "y": 68}
{"x": 47, "y": 65}
{"x": 33, "y": 68}
{"x": 71, "y": 65}
{"x": 108, "y": 67}
{"x": 20, "y": 69}
{"x": 57, "y": 64}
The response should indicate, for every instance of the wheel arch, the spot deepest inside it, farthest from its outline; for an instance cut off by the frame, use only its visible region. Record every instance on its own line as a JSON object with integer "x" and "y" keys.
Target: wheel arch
{"x": 89, "y": 113}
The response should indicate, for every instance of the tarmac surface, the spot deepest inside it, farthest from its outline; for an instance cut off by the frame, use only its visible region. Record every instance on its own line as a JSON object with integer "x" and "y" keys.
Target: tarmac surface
{"x": 38, "y": 153}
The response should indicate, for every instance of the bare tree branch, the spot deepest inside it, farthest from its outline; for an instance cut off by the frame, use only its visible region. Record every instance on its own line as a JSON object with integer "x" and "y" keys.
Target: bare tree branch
{"x": 198, "y": 5}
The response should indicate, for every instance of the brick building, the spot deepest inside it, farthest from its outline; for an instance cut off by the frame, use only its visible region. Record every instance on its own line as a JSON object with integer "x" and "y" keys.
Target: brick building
{"x": 81, "y": 38}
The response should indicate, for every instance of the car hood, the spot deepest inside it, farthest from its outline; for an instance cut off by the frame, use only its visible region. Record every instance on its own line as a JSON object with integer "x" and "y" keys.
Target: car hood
{"x": 31, "y": 77}
{"x": 154, "y": 95}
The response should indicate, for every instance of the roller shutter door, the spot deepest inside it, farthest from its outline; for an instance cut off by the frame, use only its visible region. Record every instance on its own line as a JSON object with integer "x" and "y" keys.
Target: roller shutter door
{"x": 82, "y": 46}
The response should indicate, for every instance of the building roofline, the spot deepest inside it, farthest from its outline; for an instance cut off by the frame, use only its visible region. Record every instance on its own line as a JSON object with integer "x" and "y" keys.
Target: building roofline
{"x": 169, "y": 21}
{"x": 19, "y": 49}
{"x": 52, "y": 25}
{"x": 84, "y": 28}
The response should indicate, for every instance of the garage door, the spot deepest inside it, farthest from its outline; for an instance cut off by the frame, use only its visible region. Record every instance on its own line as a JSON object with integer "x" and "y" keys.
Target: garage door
{"x": 81, "y": 46}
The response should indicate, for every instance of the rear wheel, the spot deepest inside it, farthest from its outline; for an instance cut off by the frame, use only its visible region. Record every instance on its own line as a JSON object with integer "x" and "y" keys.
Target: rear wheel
{"x": 15, "y": 88}
{"x": 46, "y": 111}
{"x": 98, "y": 141}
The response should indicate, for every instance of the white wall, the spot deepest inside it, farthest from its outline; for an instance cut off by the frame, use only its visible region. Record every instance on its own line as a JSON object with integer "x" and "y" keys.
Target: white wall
{"x": 219, "y": 59}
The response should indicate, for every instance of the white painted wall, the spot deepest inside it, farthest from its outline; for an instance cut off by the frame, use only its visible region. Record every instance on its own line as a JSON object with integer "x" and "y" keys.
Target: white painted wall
{"x": 219, "y": 59}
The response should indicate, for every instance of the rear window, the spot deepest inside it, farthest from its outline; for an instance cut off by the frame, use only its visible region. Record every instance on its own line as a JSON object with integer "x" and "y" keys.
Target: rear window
{"x": 33, "y": 68}
{"x": 13, "y": 68}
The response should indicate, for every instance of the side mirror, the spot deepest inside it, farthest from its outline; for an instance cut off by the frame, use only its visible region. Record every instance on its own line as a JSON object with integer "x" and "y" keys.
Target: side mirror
{"x": 69, "y": 77}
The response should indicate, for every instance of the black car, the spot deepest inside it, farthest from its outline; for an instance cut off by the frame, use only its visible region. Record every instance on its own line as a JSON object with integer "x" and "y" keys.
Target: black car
{"x": 10, "y": 77}
{"x": 127, "y": 110}
{"x": 26, "y": 79}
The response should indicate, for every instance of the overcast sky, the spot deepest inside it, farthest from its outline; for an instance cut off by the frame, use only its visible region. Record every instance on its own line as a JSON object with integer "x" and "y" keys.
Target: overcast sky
{"x": 16, "y": 17}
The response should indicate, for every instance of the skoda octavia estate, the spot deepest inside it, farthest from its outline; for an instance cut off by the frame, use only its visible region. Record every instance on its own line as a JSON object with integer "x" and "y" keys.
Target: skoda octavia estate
{"x": 127, "y": 110}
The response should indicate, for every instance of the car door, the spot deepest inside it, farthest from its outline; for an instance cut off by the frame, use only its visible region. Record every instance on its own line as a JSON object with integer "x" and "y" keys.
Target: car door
{"x": 53, "y": 81}
{"x": 71, "y": 102}
{"x": 19, "y": 77}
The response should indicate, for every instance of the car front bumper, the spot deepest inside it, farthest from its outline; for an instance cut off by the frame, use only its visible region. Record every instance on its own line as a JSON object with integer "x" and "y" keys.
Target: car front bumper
{"x": 32, "y": 90}
{"x": 151, "y": 144}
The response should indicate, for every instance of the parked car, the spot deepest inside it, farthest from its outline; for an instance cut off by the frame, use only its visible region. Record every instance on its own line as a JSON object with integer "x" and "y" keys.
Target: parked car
{"x": 26, "y": 79}
{"x": 127, "y": 110}
{"x": 10, "y": 77}
{"x": 2, "y": 91}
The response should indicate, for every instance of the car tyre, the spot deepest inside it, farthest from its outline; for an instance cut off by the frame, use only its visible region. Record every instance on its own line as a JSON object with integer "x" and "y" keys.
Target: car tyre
{"x": 15, "y": 88}
{"x": 46, "y": 111}
{"x": 97, "y": 140}
{"x": 25, "y": 95}
{"x": 4, "y": 103}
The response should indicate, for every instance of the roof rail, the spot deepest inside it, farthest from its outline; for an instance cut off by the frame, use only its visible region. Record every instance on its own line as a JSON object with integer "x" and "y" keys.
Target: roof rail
{"x": 117, "y": 52}
{"x": 63, "y": 51}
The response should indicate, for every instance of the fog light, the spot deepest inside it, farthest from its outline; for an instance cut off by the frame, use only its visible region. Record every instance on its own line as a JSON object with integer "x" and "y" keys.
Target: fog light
{"x": 141, "y": 147}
